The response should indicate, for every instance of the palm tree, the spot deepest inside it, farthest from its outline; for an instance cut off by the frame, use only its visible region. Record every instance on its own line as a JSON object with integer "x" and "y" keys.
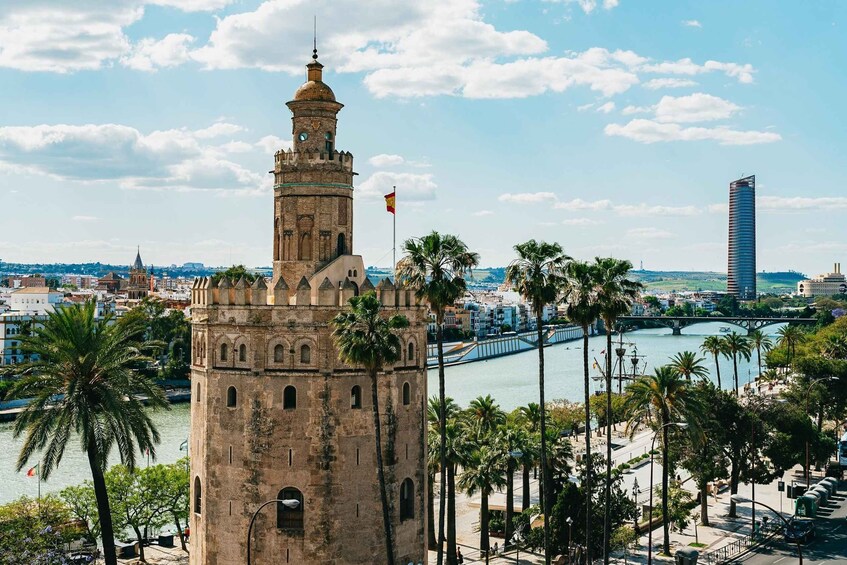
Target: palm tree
{"x": 760, "y": 341}
{"x": 434, "y": 459}
{"x": 81, "y": 374}
{"x": 511, "y": 440}
{"x": 834, "y": 347}
{"x": 366, "y": 338}
{"x": 615, "y": 295}
{"x": 790, "y": 336}
{"x": 538, "y": 276}
{"x": 687, "y": 363}
{"x": 736, "y": 344}
{"x": 580, "y": 294}
{"x": 482, "y": 473}
{"x": 659, "y": 400}
{"x": 435, "y": 266}
{"x": 715, "y": 345}
{"x": 485, "y": 414}
{"x": 458, "y": 453}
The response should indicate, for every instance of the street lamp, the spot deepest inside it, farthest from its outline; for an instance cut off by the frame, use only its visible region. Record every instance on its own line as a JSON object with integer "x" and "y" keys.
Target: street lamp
{"x": 516, "y": 540}
{"x": 288, "y": 503}
{"x": 650, "y": 515}
{"x": 737, "y": 498}
{"x": 808, "y": 395}
{"x": 514, "y": 454}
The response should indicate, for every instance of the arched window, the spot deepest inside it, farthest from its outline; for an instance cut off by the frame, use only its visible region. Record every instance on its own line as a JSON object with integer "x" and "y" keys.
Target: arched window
{"x": 223, "y": 352}
{"x": 342, "y": 248}
{"x": 407, "y": 394}
{"x": 355, "y": 272}
{"x": 356, "y": 397}
{"x": 407, "y": 500}
{"x": 410, "y": 351}
{"x": 279, "y": 351}
{"x": 242, "y": 352}
{"x": 198, "y": 496}
{"x": 289, "y": 512}
{"x": 305, "y": 354}
{"x": 289, "y": 398}
{"x": 231, "y": 397}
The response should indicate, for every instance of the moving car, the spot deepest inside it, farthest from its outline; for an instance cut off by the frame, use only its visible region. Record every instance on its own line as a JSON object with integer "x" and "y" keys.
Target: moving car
{"x": 800, "y": 530}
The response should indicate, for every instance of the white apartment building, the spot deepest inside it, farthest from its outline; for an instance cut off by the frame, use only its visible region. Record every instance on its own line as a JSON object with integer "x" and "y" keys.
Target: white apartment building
{"x": 824, "y": 285}
{"x": 34, "y": 300}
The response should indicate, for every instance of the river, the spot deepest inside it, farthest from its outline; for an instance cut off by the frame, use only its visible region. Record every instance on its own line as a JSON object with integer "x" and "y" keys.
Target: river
{"x": 512, "y": 380}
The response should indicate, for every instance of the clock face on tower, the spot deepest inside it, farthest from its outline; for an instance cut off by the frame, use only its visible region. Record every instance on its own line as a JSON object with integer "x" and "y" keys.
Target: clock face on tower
{"x": 303, "y": 136}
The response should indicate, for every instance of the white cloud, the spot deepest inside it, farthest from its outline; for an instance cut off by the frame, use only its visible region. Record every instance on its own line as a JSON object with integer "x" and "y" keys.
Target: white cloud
{"x": 697, "y": 107}
{"x": 648, "y": 131}
{"x": 61, "y": 37}
{"x": 218, "y": 129}
{"x": 166, "y": 159}
{"x": 691, "y": 23}
{"x": 527, "y": 197}
{"x": 270, "y": 144}
{"x": 85, "y": 218}
{"x": 580, "y": 222}
{"x": 782, "y": 203}
{"x": 606, "y": 108}
{"x": 657, "y": 83}
{"x": 585, "y": 107}
{"x": 629, "y": 110}
{"x": 589, "y": 6}
{"x": 648, "y": 233}
{"x": 151, "y": 54}
{"x": 626, "y": 209}
{"x": 413, "y": 187}
{"x": 721, "y": 208}
{"x": 386, "y": 160}
{"x": 685, "y": 66}
{"x": 236, "y": 147}
{"x": 646, "y": 210}
{"x": 481, "y": 213}
{"x": 580, "y": 204}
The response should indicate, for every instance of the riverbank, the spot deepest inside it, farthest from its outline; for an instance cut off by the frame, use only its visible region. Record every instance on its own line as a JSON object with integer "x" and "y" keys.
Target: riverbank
{"x": 10, "y": 409}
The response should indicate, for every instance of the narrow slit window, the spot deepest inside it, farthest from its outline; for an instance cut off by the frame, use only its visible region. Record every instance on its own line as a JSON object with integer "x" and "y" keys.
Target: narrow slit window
{"x": 289, "y": 398}
{"x": 356, "y": 397}
{"x": 231, "y": 397}
{"x": 407, "y": 394}
{"x": 242, "y": 353}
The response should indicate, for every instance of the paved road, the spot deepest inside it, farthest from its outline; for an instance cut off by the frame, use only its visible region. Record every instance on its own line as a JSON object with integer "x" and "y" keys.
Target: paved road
{"x": 828, "y": 548}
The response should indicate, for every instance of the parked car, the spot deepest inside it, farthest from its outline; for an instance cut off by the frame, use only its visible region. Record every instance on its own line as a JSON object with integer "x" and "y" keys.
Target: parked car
{"x": 800, "y": 530}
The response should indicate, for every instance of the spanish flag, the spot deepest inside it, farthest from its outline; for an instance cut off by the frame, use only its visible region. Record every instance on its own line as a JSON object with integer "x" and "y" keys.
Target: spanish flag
{"x": 33, "y": 472}
{"x": 389, "y": 202}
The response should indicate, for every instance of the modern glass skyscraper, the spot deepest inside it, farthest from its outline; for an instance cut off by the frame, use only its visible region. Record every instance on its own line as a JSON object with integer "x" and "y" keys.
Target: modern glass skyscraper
{"x": 741, "y": 271}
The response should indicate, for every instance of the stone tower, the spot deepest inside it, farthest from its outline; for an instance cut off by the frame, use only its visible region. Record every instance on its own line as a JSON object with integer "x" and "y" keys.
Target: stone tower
{"x": 274, "y": 413}
{"x": 138, "y": 286}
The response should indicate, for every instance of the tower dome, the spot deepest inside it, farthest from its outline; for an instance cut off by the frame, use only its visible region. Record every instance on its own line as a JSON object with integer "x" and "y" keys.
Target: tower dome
{"x": 314, "y": 88}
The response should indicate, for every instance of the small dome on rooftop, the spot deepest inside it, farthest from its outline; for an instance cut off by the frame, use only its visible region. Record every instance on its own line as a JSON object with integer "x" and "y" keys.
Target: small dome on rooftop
{"x": 315, "y": 90}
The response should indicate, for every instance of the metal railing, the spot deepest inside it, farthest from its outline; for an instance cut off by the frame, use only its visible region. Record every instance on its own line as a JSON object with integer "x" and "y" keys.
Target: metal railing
{"x": 738, "y": 546}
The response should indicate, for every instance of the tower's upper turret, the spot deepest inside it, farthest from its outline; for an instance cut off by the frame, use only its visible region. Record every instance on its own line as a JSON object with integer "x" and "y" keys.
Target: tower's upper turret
{"x": 314, "y": 88}
{"x": 314, "y": 110}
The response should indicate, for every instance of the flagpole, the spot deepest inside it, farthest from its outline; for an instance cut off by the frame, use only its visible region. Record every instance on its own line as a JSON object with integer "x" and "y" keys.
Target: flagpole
{"x": 38, "y": 477}
{"x": 394, "y": 237}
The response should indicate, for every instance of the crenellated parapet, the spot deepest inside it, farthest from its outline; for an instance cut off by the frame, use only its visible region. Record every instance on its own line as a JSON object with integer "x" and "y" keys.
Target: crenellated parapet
{"x": 307, "y": 157}
{"x": 207, "y": 292}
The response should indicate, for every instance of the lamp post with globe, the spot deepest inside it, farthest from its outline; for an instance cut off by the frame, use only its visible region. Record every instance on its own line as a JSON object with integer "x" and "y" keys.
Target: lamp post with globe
{"x": 291, "y": 503}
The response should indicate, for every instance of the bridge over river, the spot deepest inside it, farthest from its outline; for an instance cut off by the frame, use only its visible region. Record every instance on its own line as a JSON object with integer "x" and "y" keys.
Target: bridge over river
{"x": 676, "y": 323}
{"x": 476, "y": 350}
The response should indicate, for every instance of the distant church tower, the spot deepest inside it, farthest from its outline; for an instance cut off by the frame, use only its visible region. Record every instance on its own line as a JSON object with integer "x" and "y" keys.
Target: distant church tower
{"x": 274, "y": 413}
{"x": 138, "y": 286}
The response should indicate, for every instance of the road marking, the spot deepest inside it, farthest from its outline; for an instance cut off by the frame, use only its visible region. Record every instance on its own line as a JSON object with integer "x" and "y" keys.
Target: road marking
{"x": 780, "y": 559}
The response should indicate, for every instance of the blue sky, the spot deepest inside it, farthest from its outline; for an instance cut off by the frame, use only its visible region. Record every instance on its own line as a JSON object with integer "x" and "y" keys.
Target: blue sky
{"x": 611, "y": 126}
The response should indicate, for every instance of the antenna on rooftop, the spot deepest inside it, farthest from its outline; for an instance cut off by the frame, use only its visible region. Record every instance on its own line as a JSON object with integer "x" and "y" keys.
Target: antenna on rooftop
{"x": 315, "y": 39}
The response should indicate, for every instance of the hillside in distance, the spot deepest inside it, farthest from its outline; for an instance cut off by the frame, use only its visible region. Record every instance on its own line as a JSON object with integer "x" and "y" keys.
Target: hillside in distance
{"x": 666, "y": 281}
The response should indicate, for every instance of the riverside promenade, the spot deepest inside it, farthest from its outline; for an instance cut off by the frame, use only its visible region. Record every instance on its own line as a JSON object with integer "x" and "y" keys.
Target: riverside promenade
{"x": 722, "y": 531}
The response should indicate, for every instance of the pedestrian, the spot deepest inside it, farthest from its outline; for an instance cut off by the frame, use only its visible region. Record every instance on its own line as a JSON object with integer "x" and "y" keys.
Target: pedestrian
{"x": 459, "y": 557}
{"x": 496, "y": 548}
